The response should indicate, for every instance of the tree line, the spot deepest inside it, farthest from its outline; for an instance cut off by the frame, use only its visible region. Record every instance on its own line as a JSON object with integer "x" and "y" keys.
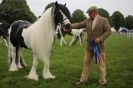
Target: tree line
{"x": 12, "y": 10}
{"x": 116, "y": 20}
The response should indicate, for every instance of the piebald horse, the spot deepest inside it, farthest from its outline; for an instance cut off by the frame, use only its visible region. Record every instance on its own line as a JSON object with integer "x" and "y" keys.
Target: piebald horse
{"x": 17, "y": 41}
{"x": 38, "y": 37}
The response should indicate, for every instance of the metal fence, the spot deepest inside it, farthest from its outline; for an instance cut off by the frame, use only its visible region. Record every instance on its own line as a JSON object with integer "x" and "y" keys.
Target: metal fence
{"x": 130, "y": 33}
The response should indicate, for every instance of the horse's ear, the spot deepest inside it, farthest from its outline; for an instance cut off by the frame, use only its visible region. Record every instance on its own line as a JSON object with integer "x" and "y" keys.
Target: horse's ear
{"x": 65, "y": 4}
{"x": 56, "y": 3}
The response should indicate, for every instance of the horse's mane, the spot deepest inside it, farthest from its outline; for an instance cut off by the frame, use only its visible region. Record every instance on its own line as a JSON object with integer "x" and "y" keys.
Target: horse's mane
{"x": 49, "y": 5}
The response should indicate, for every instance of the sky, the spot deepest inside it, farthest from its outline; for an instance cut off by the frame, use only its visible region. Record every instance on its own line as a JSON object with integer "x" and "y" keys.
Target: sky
{"x": 124, "y": 6}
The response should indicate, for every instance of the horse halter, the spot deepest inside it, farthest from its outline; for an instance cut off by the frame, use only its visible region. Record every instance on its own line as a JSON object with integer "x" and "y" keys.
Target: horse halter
{"x": 62, "y": 15}
{"x": 65, "y": 19}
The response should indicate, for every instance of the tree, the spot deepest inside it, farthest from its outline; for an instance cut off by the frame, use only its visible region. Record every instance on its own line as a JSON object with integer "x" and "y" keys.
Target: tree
{"x": 78, "y": 16}
{"x": 129, "y": 22}
{"x": 105, "y": 14}
{"x": 117, "y": 20}
{"x": 12, "y": 10}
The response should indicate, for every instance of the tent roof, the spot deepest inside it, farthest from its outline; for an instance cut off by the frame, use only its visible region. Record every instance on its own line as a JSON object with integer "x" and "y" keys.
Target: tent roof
{"x": 122, "y": 29}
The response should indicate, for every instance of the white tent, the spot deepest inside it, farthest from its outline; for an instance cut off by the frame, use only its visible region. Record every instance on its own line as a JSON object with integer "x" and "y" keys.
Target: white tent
{"x": 113, "y": 30}
{"x": 122, "y": 29}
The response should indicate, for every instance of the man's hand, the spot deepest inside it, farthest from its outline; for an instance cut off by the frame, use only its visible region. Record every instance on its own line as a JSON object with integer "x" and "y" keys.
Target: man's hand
{"x": 67, "y": 28}
{"x": 97, "y": 40}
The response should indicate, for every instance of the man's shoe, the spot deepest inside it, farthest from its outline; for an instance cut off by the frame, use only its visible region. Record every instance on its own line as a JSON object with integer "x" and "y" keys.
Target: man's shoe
{"x": 80, "y": 82}
{"x": 102, "y": 85}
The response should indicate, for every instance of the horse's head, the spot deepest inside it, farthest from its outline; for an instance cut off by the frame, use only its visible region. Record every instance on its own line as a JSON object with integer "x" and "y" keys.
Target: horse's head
{"x": 61, "y": 15}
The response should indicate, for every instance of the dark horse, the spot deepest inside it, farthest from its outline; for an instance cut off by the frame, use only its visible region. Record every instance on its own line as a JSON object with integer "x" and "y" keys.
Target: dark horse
{"x": 38, "y": 37}
{"x": 4, "y": 31}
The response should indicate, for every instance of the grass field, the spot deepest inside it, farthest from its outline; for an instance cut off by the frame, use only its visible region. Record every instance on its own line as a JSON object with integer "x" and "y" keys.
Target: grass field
{"x": 66, "y": 65}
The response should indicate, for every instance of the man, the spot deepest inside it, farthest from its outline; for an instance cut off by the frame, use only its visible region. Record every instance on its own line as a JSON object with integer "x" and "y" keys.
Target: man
{"x": 98, "y": 29}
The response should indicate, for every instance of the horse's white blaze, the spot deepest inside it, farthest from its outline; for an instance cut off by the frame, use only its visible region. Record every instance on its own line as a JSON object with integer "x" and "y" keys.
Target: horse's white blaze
{"x": 65, "y": 19}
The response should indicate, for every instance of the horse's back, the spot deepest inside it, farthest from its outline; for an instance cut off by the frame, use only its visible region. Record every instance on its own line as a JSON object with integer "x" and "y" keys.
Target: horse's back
{"x": 16, "y": 30}
{"x": 19, "y": 25}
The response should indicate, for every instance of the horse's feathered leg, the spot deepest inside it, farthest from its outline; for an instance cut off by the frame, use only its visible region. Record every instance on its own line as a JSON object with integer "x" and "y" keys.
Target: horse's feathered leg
{"x": 46, "y": 72}
{"x": 33, "y": 75}
{"x": 22, "y": 61}
{"x": 19, "y": 65}
{"x": 13, "y": 66}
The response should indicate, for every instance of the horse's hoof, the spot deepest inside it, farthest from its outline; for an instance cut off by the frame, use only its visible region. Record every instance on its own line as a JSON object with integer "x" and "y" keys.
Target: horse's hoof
{"x": 13, "y": 70}
{"x": 52, "y": 77}
{"x": 49, "y": 77}
{"x": 35, "y": 78}
{"x": 19, "y": 66}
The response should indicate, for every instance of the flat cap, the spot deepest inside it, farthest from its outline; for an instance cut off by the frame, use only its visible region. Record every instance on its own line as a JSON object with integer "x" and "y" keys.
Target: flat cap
{"x": 92, "y": 8}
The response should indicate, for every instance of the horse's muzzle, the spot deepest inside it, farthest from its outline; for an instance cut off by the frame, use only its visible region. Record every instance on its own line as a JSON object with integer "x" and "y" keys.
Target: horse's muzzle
{"x": 67, "y": 26}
